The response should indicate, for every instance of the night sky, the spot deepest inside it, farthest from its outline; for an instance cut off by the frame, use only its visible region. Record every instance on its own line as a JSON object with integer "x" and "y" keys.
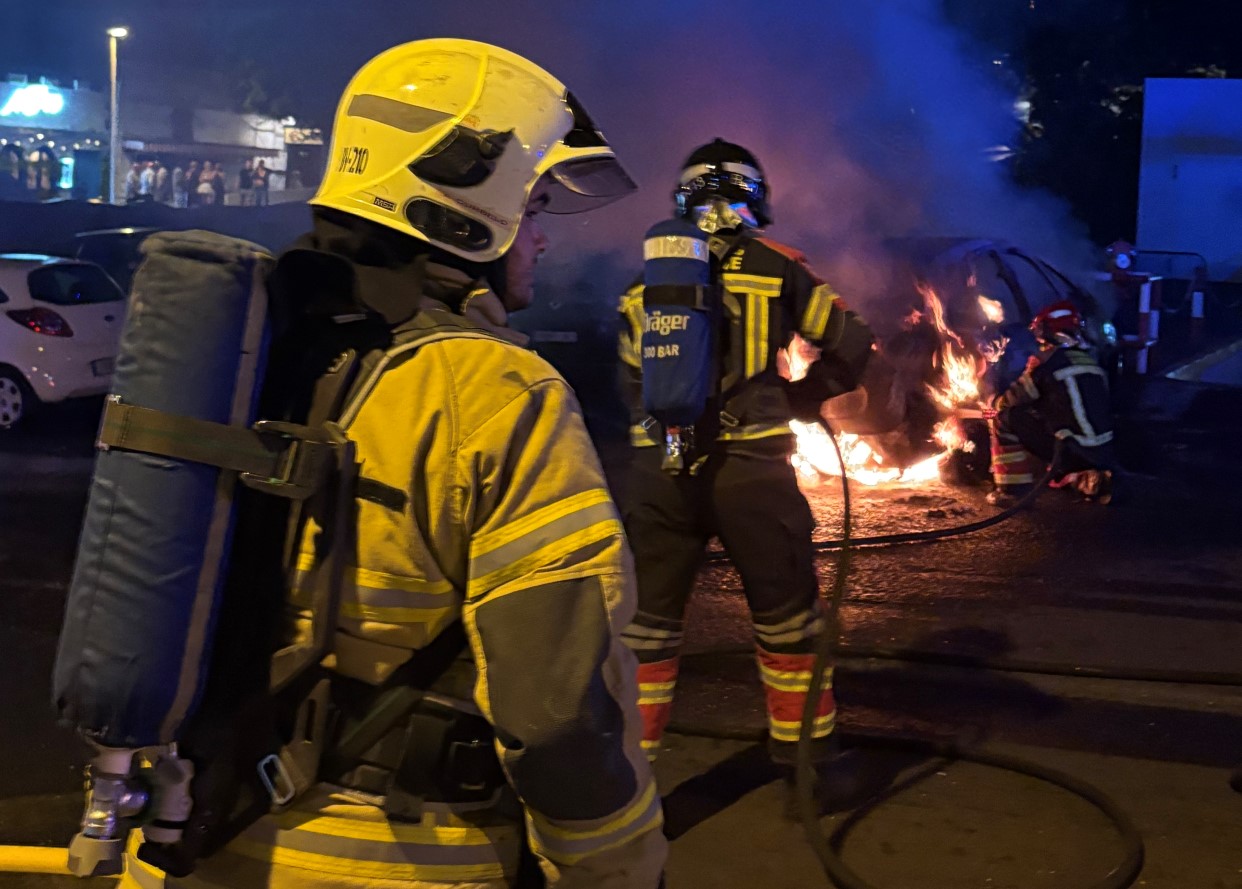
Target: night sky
{"x": 871, "y": 121}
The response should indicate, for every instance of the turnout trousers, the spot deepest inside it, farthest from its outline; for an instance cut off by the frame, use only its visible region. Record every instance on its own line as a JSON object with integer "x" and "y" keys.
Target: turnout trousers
{"x": 1023, "y": 445}
{"x": 748, "y": 496}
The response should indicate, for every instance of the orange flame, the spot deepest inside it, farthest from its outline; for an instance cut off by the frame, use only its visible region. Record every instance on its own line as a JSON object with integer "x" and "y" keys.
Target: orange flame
{"x": 961, "y": 368}
{"x": 992, "y": 309}
{"x": 817, "y": 457}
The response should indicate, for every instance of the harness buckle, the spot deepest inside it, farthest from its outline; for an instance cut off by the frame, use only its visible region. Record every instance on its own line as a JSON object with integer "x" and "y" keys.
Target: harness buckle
{"x": 276, "y": 779}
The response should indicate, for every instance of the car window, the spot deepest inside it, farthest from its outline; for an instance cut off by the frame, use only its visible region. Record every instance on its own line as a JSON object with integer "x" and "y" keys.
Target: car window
{"x": 119, "y": 256}
{"x": 71, "y": 285}
{"x": 1040, "y": 288}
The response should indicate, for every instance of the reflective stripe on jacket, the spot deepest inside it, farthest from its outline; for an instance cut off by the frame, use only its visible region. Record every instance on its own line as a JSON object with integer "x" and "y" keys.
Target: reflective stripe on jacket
{"x": 1069, "y": 389}
{"x": 496, "y": 513}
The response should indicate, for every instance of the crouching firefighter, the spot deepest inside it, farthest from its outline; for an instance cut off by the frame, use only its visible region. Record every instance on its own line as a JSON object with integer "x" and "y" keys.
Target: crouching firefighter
{"x": 1061, "y": 396}
{"x": 422, "y": 532}
{"x": 706, "y": 337}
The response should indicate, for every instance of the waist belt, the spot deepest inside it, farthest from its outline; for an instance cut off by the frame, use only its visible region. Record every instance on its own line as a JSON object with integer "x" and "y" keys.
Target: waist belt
{"x": 437, "y": 753}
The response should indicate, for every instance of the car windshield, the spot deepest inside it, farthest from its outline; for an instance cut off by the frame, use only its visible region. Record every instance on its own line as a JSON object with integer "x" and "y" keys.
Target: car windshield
{"x": 65, "y": 284}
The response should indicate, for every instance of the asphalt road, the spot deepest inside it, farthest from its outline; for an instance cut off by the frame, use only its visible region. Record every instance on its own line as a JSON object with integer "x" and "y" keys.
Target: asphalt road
{"x": 975, "y": 639}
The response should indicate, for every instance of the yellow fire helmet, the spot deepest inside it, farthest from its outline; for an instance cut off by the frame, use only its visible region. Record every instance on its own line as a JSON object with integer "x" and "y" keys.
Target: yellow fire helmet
{"x": 444, "y": 140}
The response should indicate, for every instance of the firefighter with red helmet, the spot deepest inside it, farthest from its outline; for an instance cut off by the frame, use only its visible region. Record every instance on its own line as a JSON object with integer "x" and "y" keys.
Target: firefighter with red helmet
{"x": 738, "y": 483}
{"x": 1061, "y": 396}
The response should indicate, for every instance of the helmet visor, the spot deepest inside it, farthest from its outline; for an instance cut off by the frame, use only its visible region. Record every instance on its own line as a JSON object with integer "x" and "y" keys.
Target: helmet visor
{"x": 578, "y": 185}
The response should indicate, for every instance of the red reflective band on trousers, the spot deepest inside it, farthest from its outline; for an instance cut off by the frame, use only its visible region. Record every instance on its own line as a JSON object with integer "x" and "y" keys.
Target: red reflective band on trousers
{"x": 1013, "y": 464}
{"x": 786, "y": 683}
{"x": 655, "y": 700}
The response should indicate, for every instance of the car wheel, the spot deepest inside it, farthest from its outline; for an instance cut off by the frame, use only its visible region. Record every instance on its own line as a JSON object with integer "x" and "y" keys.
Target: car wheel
{"x": 16, "y": 400}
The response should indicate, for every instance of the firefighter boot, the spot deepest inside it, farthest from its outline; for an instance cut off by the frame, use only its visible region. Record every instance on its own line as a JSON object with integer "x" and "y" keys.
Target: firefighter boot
{"x": 1005, "y": 496}
{"x": 839, "y": 783}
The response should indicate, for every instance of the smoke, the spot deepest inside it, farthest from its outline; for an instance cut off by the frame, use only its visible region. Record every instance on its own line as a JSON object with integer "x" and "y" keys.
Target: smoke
{"x": 873, "y": 120}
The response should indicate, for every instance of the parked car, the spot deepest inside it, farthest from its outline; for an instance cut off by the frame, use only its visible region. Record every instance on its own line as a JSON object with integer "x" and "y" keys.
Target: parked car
{"x": 989, "y": 291}
{"x": 60, "y": 330}
{"x": 115, "y": 250}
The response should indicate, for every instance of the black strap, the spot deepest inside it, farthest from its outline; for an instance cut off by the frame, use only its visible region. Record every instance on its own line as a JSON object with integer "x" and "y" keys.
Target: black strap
{"x": 371, "y": 713}
{"x": 280, "y": 458}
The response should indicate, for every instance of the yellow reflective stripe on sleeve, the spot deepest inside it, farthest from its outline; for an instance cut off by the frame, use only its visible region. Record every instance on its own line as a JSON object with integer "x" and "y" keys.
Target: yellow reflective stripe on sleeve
{"x": 380, "y": 596}
{"x": 541, "y": 537}
{"x": 565, "y": 845}
{"x": 1014, "y": 457}
{"x": 815, "y": 319}
{"x": 791, "y": 731}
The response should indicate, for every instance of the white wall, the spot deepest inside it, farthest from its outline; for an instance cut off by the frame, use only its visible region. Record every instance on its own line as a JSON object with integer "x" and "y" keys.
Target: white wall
{"x": 1190, "y": 181}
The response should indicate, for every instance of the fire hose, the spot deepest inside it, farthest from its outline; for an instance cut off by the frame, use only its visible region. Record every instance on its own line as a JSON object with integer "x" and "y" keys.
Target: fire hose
{"x": 837, "y": 872}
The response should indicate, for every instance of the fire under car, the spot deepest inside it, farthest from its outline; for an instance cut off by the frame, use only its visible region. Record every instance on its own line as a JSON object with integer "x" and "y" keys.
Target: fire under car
{"x": 952, "y": 333}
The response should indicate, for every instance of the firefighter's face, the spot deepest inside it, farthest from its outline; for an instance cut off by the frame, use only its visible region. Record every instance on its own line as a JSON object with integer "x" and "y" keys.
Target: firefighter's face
{"x": 528, "y": 246}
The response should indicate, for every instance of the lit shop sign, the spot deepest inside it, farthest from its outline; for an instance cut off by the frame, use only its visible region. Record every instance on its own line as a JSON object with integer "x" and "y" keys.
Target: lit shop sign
{"x": 33, "y": 100}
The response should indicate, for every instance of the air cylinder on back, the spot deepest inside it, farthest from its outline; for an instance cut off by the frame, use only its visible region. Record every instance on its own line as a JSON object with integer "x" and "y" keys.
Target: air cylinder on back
{"x": 679, "y": 303}
{"x": 153, "y": 554}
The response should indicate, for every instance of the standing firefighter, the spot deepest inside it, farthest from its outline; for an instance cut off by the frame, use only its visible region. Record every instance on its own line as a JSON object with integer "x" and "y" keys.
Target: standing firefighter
{"x": 1061, "y": 396}
{"x": 481, "y": 514}
{"x": 728, "y": 474}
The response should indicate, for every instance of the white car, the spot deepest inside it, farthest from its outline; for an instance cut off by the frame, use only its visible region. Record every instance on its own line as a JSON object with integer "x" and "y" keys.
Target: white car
{"x": 60, "y": 331}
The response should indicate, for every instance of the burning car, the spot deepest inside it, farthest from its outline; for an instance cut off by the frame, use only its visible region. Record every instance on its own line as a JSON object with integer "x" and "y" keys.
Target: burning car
{"x": 952, "y": 333}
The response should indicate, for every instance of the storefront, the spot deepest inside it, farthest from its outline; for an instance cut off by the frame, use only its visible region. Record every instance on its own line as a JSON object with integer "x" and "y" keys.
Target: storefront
{"x": 52, "y": 141}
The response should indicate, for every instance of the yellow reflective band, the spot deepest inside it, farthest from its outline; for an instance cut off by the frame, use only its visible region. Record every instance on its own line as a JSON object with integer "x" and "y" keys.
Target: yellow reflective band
{"x": 383, "y": 580}
{"x": 756, "y": 335}
{"x": 799, "y": 681}
{"x": 815, "y": 319}
{"x": 516, "y": 530}
{"x": 385, "y": 831}
{"x": 551, "y": 552}
{"x": 381, "y": 870}
{"x": 645, "y": 698}
{"x": 758, "y": 285}
{"x": 755, "y": 430}
{"x": 791, "y": 731}
{"x": 568, "y": 846}
{"x": 1025, "y": 478}
{"x": 657, "y": 686}
{"x": 394, "y": 615}
{"x": 1012, "y": 457}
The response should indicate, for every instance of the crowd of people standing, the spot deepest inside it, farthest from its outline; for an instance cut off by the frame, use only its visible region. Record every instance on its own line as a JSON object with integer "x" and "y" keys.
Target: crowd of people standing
{"x": 196, "y": 185}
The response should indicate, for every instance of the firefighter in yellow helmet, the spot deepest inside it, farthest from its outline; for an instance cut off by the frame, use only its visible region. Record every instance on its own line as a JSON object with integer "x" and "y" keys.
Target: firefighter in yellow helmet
{"x": 481, "y": 509}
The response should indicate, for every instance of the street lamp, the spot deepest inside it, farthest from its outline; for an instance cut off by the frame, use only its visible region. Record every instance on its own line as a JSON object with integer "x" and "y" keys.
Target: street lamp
{"x": 114, "y": 147}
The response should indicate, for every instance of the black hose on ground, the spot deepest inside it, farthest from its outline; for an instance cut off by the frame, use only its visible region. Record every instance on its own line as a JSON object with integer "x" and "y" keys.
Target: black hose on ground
{"x": 838, "y": 873}
{"x": 924, "y": 536}
{"x": 804, "y": 776}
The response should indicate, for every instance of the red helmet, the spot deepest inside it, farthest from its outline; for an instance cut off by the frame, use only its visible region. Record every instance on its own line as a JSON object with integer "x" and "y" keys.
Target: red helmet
{"x": 1057, "y": 324}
